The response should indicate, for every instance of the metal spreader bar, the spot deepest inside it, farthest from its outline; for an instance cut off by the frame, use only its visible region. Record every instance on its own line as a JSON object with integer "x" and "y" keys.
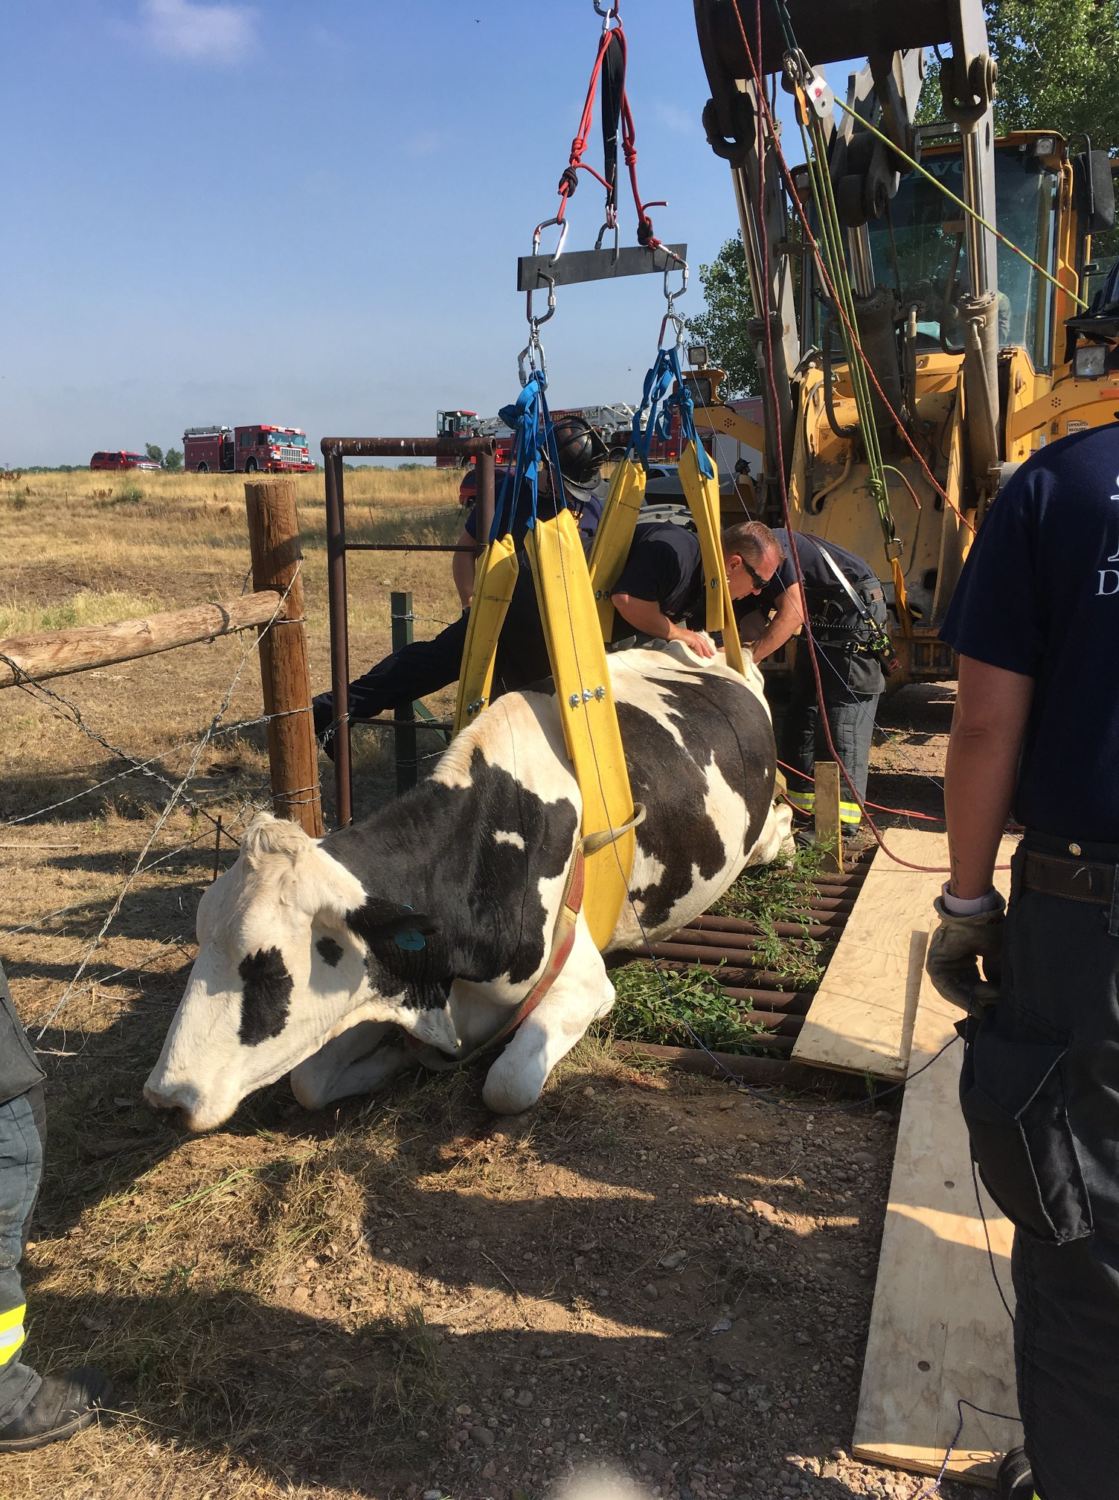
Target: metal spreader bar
{"x": 538, "y": 271}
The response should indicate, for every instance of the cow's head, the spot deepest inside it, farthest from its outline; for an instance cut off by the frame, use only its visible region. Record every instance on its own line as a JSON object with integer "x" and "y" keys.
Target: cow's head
{"x": 281, "y": 968}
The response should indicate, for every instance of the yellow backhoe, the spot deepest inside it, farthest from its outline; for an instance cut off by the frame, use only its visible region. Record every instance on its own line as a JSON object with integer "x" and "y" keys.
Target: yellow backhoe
{"x": 926, "y": 316}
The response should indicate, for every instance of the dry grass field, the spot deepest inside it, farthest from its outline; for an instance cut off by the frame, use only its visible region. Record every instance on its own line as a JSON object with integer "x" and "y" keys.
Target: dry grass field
{"x": 404, "y": 1295}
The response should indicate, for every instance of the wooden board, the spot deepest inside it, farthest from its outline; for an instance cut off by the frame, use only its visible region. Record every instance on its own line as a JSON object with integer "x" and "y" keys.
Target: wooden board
{"x": 861, "y": 1020}
{"x": 938, "y": 1331}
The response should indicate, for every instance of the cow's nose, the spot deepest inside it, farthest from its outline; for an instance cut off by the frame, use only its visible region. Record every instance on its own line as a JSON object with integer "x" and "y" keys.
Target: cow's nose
{"x": 173, "y": 1109}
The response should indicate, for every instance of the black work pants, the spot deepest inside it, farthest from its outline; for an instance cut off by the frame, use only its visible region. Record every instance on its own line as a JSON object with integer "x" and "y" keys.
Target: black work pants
{"x": 851, "y": 686}
{"x": 423, "y": 667}
{"x": 1040, "y": 1093}
{"x": 23, "y": 1128}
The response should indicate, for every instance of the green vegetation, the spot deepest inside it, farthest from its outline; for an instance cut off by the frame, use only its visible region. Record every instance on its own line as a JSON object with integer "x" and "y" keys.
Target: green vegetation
{"x": 1057, "y": 67}
{"x": 86, "y": 607}
{"x": 724, "y": 323}
{"x": 674, "y": 1007}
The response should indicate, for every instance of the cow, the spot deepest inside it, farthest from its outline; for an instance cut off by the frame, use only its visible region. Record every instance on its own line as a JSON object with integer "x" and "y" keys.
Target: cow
{"x": 416, "y": 933}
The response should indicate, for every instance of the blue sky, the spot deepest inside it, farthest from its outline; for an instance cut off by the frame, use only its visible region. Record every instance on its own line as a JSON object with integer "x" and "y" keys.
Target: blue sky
{"x": 311, "y": 214}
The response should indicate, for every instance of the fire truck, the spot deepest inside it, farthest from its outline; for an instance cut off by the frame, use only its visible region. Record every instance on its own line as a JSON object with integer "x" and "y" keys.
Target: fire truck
{"x": 262, "y": 448}
{"x": 468, "y": 424}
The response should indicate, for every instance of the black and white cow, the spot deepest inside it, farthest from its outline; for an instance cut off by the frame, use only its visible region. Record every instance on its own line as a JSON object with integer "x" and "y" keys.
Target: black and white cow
{"x": 418, "y": 931}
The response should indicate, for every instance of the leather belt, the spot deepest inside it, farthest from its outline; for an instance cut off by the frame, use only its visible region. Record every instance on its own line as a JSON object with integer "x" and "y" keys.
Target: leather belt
{"x": 1074, "y": 879}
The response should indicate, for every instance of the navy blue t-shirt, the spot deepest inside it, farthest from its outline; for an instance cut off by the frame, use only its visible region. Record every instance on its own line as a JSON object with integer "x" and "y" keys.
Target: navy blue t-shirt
{"x": 664, "y": 565}
{"x": 817, "y": 574}
{"x": 1039, "y": 595}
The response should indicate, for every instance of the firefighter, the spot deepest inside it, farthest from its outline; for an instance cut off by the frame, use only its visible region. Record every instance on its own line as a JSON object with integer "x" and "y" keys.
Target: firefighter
{"x": 423, "y": 667}
{"x": 1035, "y": 618}
{"x": 34, "y": 1409}
{"x": 845, "y": 606}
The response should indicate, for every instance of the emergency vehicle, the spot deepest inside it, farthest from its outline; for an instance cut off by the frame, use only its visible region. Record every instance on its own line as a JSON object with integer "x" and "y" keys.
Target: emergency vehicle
{"x": 261, "y": 448}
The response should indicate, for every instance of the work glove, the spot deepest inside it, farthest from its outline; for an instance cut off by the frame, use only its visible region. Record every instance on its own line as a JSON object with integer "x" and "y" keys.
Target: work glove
{"x": 955, "y": 949}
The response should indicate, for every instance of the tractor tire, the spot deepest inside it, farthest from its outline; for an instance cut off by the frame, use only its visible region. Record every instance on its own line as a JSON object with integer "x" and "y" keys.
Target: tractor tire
{"x": 1015, "y": 1477}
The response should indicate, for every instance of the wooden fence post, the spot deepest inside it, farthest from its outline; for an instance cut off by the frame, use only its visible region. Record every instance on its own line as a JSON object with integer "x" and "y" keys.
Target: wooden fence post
{"x": 829, "y": 824}
{"x": 276, "y": 554}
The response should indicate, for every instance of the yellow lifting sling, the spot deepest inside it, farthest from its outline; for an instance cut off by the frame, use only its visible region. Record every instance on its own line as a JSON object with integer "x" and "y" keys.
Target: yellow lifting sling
{"x": 586, "y": 706}
{"x": 614, "y": 536}
{"x": 702, "y": 494}
{"x": 494, "y": 580}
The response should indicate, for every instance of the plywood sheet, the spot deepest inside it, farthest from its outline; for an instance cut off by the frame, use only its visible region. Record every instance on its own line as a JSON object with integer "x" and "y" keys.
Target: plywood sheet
{"x": 861, "y": 1019}
{"x": 938, "y": 1332}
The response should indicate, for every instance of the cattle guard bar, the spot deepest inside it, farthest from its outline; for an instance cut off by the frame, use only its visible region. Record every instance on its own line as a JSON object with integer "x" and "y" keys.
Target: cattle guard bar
{"x": 334, "y": 450}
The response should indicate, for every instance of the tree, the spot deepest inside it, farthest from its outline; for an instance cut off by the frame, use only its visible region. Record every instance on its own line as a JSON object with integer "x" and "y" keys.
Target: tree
{"x": 1057, "y": 67}
{"x": 173, "y": 459}
{"x": 725, "y": 323}
{"x": 154, "y": 452}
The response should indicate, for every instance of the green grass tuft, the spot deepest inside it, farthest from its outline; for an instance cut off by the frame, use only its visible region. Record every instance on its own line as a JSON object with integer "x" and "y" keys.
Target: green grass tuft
{"x": 673, "y": 1007}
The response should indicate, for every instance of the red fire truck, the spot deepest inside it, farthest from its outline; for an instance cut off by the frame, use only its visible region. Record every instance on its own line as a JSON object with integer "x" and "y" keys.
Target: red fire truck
{"x": 467, "y": 424}
{"x": 246, "y": 450}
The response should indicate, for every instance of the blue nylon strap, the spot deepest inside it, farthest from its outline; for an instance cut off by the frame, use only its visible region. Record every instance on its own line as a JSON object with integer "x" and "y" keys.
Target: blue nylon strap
{"x": 658, "y": 382}
{"x": 659, "y": 401}
{"x": 681, "y": 401}
{"x": 531, "y": 422}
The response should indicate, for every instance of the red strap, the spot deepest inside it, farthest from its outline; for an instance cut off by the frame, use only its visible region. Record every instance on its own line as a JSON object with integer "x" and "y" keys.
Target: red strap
{"x": 575, "y": 163}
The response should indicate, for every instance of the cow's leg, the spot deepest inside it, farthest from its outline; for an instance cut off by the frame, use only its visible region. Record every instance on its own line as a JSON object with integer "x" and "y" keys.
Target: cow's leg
{"x": 349, "y": 1064}
{"x": 580, "y": 995}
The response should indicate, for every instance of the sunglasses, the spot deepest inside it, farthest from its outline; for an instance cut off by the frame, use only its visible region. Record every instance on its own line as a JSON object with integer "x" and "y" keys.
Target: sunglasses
{"x": 755, "y": 577}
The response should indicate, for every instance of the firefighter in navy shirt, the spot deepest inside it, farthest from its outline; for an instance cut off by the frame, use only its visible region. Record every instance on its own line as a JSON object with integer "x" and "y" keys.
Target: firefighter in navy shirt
{"x": 1035, "y": 618}
{"x": 847, "y": 619}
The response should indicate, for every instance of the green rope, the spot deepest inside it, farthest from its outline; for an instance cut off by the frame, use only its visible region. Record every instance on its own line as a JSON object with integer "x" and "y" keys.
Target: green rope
{"x": 832, "y": 235}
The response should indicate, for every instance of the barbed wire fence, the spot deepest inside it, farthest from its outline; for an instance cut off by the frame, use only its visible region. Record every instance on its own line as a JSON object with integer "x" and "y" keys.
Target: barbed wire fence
{"x": 252, "y": 799}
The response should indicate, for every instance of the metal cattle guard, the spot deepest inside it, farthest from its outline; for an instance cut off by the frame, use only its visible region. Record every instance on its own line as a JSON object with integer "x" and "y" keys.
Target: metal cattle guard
{"x": 334, "y": 450}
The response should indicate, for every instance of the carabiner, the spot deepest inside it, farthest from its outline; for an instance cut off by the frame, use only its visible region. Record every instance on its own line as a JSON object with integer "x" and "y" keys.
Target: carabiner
{"x": 601, "y": 233}
{"x": 678, "y": 324}
{"x": 608, "y": 13}
{"x": 533, "y": 320}
{"x": 681, "y": 266}
{"x": 533, "y": 348}
{"x": 536, "y": 233}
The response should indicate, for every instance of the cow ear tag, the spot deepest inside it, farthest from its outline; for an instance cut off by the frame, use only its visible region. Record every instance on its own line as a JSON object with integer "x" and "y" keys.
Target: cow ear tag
{"x": 411, "y": 939}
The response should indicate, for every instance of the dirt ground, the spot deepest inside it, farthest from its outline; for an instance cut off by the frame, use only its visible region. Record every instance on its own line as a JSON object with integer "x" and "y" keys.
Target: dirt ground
{"x": 405, "y": 1297}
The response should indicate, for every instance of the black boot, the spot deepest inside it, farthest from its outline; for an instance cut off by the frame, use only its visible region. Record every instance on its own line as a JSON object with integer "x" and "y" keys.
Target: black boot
{"x": 63, "y": 1405}
{"x": 1015, "y": 1477}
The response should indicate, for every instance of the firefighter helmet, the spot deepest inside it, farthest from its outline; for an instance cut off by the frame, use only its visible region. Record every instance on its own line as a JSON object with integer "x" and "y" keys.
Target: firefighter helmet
{"x": 580, "y": 448}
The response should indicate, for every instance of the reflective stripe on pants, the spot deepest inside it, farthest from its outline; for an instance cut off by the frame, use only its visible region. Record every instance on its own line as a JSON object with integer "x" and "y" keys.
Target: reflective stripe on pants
{"x": 12, "y": 1332}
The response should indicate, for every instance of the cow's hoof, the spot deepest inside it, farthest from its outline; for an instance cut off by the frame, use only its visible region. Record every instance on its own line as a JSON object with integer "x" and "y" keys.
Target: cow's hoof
{"x": 507, "y": 1095}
